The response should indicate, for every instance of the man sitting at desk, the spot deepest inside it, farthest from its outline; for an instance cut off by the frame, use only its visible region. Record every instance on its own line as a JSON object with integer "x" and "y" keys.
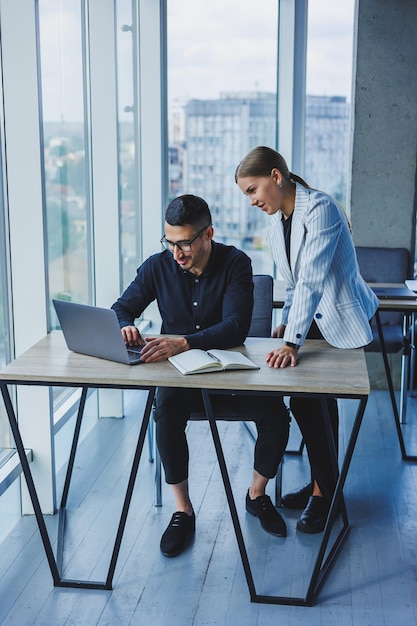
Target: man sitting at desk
{"x": 204, "y": 292}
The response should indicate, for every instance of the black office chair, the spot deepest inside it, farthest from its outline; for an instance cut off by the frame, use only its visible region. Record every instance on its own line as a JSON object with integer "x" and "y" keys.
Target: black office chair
{"x": 260, "y": 327}
{"x": 385, "y": 265}
{"x": 388, "y": 265}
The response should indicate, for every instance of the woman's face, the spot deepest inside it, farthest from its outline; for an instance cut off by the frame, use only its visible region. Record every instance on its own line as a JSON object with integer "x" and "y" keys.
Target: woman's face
{"x": 263, "y": 191}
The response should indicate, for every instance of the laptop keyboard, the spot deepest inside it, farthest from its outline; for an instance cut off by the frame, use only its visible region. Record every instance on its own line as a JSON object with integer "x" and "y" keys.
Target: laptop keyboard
{"x": 134, "y": 355}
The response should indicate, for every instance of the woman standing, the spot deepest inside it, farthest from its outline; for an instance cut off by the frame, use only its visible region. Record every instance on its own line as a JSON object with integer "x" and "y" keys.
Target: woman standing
{"x": 326, "y": 297}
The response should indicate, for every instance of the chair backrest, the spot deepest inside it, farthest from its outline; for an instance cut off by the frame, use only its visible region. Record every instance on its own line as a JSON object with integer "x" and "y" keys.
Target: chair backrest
{"x": 384, "y": 265}
{"x": 263, "y": 285}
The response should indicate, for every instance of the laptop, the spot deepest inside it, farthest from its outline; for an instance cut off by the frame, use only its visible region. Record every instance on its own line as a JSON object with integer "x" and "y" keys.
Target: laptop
{"x": 394, "y": 293}
{"x": 94, "y": 331}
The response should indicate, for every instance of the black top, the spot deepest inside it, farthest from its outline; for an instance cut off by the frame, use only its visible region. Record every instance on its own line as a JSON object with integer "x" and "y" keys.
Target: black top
{"x": 211, "y": 310}
{"x": 286, "y": 225}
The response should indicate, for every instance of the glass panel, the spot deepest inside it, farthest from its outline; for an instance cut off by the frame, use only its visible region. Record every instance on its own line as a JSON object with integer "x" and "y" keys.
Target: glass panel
{"x": 66, "y": 173}
{"x": 329, "y": 77}
{"x": 128, "y": 142}
{"x": 65, "y": 163}
{"x": 5, "y": 439}
{"x": 5, "y": 342}
{"x": 222, "y": 75}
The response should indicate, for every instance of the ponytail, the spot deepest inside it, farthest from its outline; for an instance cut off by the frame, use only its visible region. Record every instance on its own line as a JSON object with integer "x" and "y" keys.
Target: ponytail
{"x": 297, "y": 179}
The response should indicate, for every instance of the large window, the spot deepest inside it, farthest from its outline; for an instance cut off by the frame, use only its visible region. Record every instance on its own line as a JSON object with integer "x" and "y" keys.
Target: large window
{"x": 329, "y": 78}
{"x": 222, "y": 76}
{"x": 222, "y": 73}
{"x": 66, "y": 180}
{"x": 5, "y": 348}
{"x": 5, "y": 325}
{"x": 128, "y": 105}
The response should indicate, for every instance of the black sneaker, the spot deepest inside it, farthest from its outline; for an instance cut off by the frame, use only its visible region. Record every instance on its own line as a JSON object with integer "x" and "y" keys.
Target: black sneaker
{"x": 178, "y": 534}
{"x": 271, "y": 520}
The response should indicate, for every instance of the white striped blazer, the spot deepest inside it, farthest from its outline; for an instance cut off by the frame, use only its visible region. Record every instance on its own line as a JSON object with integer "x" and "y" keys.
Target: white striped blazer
{"x": 323, "y": 280}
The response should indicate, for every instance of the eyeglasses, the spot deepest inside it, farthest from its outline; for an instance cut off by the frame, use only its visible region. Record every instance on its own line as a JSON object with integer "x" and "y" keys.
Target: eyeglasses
{"x": 184, "y": 246}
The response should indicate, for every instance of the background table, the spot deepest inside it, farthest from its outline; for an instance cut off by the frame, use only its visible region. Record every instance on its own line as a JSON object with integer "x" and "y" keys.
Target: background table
{"x": 408, "y": 309}
{"x": 322, "y": 371}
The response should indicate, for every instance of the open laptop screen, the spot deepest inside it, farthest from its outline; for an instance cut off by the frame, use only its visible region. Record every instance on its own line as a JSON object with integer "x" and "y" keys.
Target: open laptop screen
{"x": 94, "y": 331}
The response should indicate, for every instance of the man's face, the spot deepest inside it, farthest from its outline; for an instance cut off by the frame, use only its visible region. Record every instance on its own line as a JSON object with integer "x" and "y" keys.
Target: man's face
{"x": 196, "y": 259}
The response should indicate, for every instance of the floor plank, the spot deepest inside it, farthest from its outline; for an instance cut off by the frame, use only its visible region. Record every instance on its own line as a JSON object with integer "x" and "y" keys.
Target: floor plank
{"x": 373, "y": 582}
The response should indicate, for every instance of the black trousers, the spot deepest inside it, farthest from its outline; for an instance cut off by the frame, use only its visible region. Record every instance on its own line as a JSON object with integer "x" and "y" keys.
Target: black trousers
{"x": 173, "y": 409}
{"x": 310, "y": 417}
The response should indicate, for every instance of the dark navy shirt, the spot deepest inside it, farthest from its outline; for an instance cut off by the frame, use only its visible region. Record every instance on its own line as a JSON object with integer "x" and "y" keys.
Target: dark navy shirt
{"x": 212, "y": 310}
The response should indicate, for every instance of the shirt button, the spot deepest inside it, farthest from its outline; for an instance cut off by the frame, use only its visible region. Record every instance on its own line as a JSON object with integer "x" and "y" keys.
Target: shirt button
{"x": 318, "y": 316}
{"x": 197, "y": 326}
{"x": 196, "y": 280}
{"x": 298, "y": 335}
{"x": 195, "y": 303}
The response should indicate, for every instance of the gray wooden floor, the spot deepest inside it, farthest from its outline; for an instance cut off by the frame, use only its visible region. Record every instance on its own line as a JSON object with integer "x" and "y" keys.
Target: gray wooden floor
{"x": 373, "y": 582}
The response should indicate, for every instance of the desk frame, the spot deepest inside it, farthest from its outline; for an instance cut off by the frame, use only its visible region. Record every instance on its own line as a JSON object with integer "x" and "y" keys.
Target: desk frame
{"x": 60, "y": 368}
{"x": 405, "y": 456}
{"x": 56, "y": 563}
{"x": 322, "y": 566}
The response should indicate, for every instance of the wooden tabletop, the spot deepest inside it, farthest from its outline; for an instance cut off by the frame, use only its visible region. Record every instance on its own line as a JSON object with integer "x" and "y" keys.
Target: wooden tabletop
{"x": 321, "y": 369}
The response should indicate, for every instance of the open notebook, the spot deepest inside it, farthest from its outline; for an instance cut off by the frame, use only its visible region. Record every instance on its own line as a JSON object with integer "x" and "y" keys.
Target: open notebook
{"x": 197, "y": 361}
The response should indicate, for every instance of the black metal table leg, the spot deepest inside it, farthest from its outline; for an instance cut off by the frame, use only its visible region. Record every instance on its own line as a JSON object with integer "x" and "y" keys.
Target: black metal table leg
{"x": 405, "y": 456}
{"x": 30, "y": 484}
{"x": 130, "y": 486}
{"x": 64, "y": 497}
{"x": 56, "y": 565}
{"x": 229, "y": 494}
{"x": 321, "y": 567}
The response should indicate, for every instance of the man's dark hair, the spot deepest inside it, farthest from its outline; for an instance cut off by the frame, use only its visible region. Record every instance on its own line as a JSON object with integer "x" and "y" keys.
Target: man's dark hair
{"x": 188, "y": 210}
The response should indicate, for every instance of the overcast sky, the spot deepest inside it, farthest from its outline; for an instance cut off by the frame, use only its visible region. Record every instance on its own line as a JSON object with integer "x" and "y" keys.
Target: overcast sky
{"x": 230, "y": 45}
{"x": 213, "y": 46}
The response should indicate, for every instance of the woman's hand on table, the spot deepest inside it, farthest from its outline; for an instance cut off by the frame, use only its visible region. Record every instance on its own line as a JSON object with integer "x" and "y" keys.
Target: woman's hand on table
{"x": 282, "y": 357}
